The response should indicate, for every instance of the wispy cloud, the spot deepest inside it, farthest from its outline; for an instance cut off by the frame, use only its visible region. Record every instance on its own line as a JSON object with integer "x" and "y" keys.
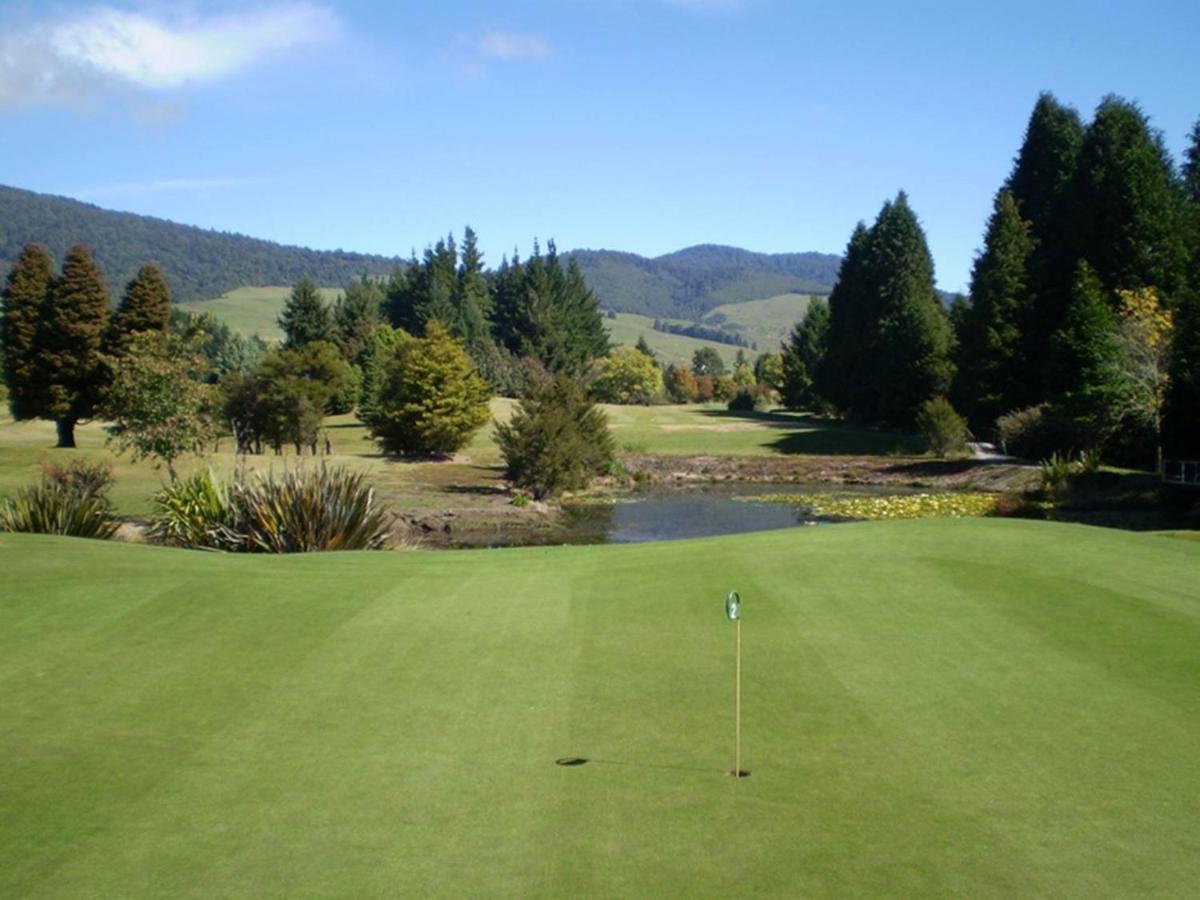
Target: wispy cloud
{"x": 512, "y": 46}
{"x": 71, "y": 60}
{"x": 128, "y": 188}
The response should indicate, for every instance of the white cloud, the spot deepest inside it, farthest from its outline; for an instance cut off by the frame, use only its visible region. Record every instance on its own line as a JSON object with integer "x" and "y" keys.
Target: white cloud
{"x": 164, "y": 185}
{"x": 71, "y": 60}
{"x": 511, "y": 46}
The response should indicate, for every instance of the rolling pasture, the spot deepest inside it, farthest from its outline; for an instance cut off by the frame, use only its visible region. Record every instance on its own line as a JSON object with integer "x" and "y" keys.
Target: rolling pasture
{"x": 933, "y": 708}
{"x": 767, "y": 322}
{"x": 251, "y": 310}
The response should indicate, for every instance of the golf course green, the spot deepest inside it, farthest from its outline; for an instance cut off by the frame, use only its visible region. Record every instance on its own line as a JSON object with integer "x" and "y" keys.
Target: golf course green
{"x": 930, "y": 708}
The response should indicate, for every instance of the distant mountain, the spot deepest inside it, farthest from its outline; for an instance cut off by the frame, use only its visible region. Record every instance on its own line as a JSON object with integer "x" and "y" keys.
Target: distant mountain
{"x": 688, "y": 283}
{"x": 199, "y": 263}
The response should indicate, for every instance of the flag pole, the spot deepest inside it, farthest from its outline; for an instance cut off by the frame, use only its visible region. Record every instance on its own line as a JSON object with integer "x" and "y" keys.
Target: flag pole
{"x": 737, "y": 707}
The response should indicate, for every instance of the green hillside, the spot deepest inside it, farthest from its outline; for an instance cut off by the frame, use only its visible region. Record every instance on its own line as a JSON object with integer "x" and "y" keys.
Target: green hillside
{"x": 966, "y": 708}
{"x": 766, "y": 323}
{"x": 626, "y": 328}
{"x": 251, "y": 310}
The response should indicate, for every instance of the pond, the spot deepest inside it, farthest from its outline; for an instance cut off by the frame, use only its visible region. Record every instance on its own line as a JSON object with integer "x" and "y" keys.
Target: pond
{"x": 666, "y": 514}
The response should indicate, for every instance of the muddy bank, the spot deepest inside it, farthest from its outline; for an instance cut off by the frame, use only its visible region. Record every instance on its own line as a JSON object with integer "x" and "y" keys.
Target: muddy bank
{"x": 913, "y": 471}
{"x": 498, "y": 523}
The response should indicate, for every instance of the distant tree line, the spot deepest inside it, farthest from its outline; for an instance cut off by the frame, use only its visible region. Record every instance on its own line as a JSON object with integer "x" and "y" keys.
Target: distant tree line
{"x": 1081, "y": 330}
{"x": 703, "y": 333}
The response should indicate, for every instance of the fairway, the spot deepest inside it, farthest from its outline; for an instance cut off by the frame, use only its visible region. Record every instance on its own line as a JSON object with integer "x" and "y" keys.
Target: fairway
{"x": 933, "y": 708}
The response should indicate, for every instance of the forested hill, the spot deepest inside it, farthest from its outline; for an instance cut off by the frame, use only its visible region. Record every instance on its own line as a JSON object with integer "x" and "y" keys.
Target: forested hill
{"x": 688, "y": 283}
{"x": 199, "y": 264}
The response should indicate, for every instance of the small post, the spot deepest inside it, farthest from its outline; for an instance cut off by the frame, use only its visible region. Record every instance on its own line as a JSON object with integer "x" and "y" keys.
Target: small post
{"x": 733, "y": 609}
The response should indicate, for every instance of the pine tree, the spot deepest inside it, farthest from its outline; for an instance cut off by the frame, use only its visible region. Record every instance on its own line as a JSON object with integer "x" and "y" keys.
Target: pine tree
{"x": 803, "y": 357}
{"x": 909, "y": 335}
{"x": 1191, "y": 166}
{"x": 992, "y": 377}
{"x": 305, "y": 316}
{"x": 26, "y": 296}
{"x": 356, "y": 314}
{"x": 1128, "y": 222}
{"x": 1043, "y": 183}
{"x": 145, "y": 306}
{"x": 472, "y": 301}
{"x": 1086, "y": 364}
{"x": 842, "y": 375}
{"x": 69, "y": 342}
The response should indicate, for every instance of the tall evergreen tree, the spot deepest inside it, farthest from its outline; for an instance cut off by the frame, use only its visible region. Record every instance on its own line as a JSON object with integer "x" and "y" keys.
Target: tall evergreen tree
{"x": 305, "y": 316}
{"x": 472, "y": 300}
{"x": 1086, "y": 364}
{"x": 69, "y": 343}
{"x": 841, "y": 376}
{"x": 1191, "y": 166}
{"x": 145, "y": 306}
{"x": 1128, "y": 203}
{"x": 992, "y": 377}
{"x": 803, "y": 355}
{"x": 356, "y": 314}
{"x": 27, "y": 293}
{"x": 1042, "y": 183}
{"x": 909, "y": 335}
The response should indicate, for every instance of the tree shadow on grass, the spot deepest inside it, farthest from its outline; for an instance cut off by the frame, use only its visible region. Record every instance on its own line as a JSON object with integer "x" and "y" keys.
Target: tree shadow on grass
{"x": 818, "y": 436}
{"x": 573, "y": 761}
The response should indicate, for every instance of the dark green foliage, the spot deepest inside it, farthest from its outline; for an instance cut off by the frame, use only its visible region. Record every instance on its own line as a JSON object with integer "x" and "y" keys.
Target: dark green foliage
{"x": 1087, "y": 369}
{"x": 707, "y": 361}
{"x": 701, "y": 332}
{"x": 199, "y": 263}
{"x": 441, "y": 288}
{"x": 803, "y": 357}
{"x": 1181, "y": 413}
{"x": 747, "y": 399}
{"x": 644, "y": 348}
{"x": 356, "y": 314}
{"x": 945, "y": 431}
{"x": 26, "y": 293}
{"x": 545, "y": 311}
{"x": 1191, "y": 166}
{"x": 306, "y": 317}
{"x": 992, "y": 375}
{"x": 889, "y": 339}
{"x": 69, "y": 500}
{"x": 299, "y": 511}
{"x": 69, "y": 343}
{"x": 227, "y": 352}
{"x": 145, "y": 306}
{"x": 557, "y": 440}
{"x": 430, "y": 400}
{"x": 1128, "y": 223}
{"x": 284, "y": 400}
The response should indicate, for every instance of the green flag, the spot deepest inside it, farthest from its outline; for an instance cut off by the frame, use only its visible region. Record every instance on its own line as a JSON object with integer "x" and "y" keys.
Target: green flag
{"x": 733, "y": 606}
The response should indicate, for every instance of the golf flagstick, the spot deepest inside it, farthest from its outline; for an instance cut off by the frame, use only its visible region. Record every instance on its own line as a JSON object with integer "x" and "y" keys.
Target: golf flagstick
{"x": 733, "y": 609}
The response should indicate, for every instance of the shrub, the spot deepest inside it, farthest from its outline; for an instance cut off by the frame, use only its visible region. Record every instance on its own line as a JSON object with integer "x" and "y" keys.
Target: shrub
{"x": 748, "y": 399}
{"x": 1030, "y": 432}
{"x": 69, "y": 500}
{"x": 724, "y": 388}
{"x": 944, "y": 429}
{"x": 430, "y": 400}
{"x": 557, "y": 440}
{"x": 196, "y": 511}
{"x": 628, "y": 375}
{"x": 300, "y": 511}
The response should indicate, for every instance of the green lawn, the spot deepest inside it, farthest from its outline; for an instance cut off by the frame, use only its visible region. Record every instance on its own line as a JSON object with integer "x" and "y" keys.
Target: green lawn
{"x": 676, "y": 430}
{"x": 938, "y": 708}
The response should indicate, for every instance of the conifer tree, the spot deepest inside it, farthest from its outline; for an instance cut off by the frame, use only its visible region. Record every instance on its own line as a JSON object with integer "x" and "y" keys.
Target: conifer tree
{"x": 841, "y": 376}
{"x": 1043, "y": 183}
{"x": 992, "y": 377}
{"x": 356, "y": 314}
{"x": 803, "y": 356}
{"x": 69, "y": 343}
{"x": 472, "y": 300}
{"x": 1086, "y": 364}
{"x": 908, "y": 335}
{"x": 1128, "y": 203}
{"x": 1191, "y": 166}
{"x": 27, "y": 293}
{"x": 305, "y": 316}
{"x": 145, "y": 306}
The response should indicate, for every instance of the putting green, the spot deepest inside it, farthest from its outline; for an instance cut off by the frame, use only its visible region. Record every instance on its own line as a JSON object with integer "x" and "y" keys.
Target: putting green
{"x": 966, "y": 707}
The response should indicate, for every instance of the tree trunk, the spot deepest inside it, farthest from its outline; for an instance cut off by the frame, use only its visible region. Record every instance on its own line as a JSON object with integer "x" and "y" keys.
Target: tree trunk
{"x": 66, "y": 432}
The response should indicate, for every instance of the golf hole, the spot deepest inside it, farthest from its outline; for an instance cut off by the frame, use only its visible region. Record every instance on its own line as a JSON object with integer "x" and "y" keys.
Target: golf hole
{"x": 570, "y": 761}
{"x": 738, "y": 773}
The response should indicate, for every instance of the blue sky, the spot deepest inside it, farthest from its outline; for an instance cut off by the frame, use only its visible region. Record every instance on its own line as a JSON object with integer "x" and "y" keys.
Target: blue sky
{"x": 640, "y": 125}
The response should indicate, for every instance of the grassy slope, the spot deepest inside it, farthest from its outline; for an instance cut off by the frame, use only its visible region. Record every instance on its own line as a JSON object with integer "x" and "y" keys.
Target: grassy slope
{"x": 938, "y": 708}
{"x": 626, "y": 328}
{"x": 681, "y": 430}
{"x": 252, "y": 310}
{"x": 766, "y": 322}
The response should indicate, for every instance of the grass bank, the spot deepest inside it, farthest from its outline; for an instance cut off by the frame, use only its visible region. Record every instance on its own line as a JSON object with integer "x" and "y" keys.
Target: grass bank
{"x": 933, "y": 708}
